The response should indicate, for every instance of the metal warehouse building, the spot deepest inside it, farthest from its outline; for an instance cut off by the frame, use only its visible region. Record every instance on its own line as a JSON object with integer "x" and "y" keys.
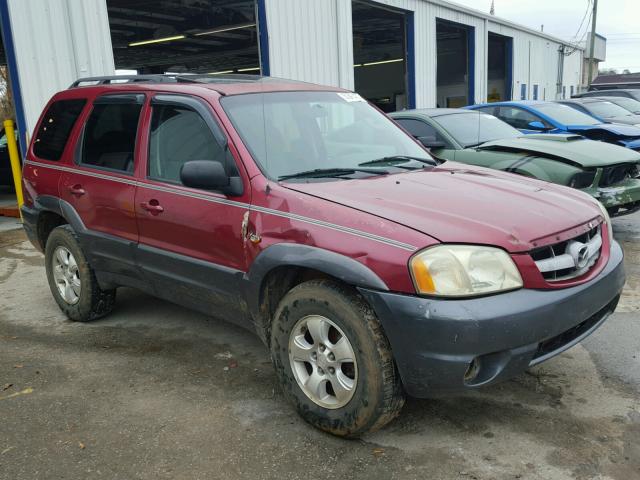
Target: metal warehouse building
{"x": 397, "y": 53}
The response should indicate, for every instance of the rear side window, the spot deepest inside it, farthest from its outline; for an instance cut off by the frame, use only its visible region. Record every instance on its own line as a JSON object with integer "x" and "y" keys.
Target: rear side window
{"x": 179, "y": 135}
{"x": 55, "y": 128}
{"x": 110, "y": 135}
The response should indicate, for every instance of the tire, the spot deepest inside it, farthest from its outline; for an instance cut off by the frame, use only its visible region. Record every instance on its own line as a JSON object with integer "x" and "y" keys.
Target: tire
{"x": 376, "y": 396}
{"x": 85, "y": 300}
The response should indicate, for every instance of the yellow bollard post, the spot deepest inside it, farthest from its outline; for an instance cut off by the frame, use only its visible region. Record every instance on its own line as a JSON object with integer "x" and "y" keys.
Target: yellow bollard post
{"x": 14, "y": 158}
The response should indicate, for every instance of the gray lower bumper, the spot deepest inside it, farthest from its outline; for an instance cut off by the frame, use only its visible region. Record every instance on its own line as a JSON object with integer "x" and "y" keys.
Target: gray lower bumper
{"x": 434, "y": 341}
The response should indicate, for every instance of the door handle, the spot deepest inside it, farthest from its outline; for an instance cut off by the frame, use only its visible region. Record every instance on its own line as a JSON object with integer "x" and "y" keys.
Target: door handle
{"x": 152, "y": 206}
{"x": 77, "y": 190}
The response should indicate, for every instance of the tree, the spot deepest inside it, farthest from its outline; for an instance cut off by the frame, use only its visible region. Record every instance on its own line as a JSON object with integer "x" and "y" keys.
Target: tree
{"x": 6, "y": 96}
{"x": 608, "y": 71}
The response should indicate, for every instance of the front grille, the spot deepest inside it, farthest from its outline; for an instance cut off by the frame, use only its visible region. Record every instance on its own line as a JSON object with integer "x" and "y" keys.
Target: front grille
{"x": 618, "y": 173}
{"x": 569, "y": 259}
{"x": 560, "y": 342}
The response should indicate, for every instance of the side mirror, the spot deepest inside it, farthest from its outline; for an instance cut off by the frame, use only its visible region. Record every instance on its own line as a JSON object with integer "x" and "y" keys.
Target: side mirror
{"x": 431, "y": 142}
{"x": 536, "y": 125}
{"x": 209, "y": 175}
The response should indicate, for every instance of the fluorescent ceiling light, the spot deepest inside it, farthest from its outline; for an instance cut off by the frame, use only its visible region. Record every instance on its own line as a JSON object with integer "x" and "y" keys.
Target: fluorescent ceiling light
{"x": 157, "y": 40}
{"x": 225, "y": 29}
{"x": 395, "y": 60}
{"x": 252, "y": 69}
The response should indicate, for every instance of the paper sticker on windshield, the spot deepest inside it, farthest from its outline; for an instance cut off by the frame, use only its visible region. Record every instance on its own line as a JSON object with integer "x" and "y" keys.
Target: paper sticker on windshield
{"x": 351, "y": 97}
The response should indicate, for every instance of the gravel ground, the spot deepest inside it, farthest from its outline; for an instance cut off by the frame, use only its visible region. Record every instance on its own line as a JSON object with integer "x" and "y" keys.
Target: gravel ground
{"x": 156, "y": 391}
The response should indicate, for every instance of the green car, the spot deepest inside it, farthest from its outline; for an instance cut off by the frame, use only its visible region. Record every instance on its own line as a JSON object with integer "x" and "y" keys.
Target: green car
{"x": 607, "y": 172}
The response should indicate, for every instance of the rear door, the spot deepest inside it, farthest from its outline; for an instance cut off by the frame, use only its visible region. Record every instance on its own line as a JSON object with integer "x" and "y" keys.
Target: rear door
{"x": 191, "y": 242}
{"x": 101, "y": 187}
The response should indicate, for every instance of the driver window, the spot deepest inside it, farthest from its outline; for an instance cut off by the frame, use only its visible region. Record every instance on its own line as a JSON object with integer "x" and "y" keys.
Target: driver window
{"x": 179, "y": 135}
{"x": 518, "y": 118}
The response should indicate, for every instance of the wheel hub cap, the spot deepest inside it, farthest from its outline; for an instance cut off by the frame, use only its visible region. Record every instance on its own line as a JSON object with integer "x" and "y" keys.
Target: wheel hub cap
{"x": 323, "y": 361}
{"x": 66, "y": 275}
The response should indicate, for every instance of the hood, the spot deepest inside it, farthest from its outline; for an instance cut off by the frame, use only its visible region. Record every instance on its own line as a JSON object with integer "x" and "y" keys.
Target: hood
{"x": 458, "y": 203}
{"x": 614, "y": 128}
{"x": 626, "y": 120}
{"x": 572, "y": 149}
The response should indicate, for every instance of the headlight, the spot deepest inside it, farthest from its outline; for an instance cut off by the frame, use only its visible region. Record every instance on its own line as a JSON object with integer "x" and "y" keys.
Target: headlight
{"x": 607, "y": 221}
{"x": 463, "y": 271}
{"x": 582, "y": 180}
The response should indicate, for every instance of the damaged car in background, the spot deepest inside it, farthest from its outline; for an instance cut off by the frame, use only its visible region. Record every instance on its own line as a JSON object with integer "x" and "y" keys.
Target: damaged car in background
{"x": 607, "y": 172}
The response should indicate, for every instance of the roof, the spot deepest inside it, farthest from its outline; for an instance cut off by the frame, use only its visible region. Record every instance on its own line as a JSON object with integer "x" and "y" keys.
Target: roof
{"x": 431, "y": 112}
{"x": 223, "y": 84}
{"x": 585, "y": 100}
{"x": 617, "y": 79}
{"x": 530, "y": 103}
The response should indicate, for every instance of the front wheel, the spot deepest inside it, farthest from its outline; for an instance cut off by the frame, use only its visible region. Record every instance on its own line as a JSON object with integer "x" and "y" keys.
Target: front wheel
{"x": 333, "y": 359}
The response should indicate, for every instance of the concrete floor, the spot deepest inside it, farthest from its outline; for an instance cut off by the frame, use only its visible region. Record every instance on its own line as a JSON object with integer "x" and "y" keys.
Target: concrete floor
{"x": 156, "y": 391}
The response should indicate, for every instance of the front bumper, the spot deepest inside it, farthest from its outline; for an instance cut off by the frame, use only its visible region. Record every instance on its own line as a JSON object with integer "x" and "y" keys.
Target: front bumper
{"x": 435, "y": 341}
{"x": 621, "y": 199}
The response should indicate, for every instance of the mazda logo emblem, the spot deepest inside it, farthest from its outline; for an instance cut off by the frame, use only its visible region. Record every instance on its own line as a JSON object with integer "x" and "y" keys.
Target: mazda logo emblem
{"x": 582, "y": 257}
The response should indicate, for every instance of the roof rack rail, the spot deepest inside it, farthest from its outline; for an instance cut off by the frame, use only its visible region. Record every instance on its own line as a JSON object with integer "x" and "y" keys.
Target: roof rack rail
{"x": 117, "y": 79}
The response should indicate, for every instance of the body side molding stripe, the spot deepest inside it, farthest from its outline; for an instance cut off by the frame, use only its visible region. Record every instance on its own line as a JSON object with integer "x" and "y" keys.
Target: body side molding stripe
{"x": 224, "y": 201}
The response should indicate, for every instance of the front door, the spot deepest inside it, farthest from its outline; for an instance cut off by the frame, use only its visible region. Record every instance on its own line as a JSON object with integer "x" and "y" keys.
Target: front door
{"x": 191, "y": 242}
{"x": 101, "y": 189}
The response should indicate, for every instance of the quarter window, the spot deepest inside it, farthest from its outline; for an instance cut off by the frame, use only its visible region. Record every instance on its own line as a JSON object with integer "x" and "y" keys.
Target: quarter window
{"x": 55, "y": 128}
{"x": 110, "y": 135}
{"x": 421, "y": 130}
{"x": 518, "y": 118}
{"x": 179, "y": 135}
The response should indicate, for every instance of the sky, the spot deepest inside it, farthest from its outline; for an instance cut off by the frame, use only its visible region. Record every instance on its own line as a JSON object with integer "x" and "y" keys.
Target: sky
{"x": 618, "y": 20}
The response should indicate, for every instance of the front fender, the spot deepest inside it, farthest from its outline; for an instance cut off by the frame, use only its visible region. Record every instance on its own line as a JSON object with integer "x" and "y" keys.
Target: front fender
{"x": 334, "y": 264}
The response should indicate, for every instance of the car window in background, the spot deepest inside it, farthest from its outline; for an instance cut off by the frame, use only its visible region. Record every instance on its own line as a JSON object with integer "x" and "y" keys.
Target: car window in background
{"x": 422, "y": 130}
{"x": 110, "y": 136}
{"x": 628, "y": 103}
{"x": 566, "y": 115}
{"x": 488, "y": 110}
{"x": 518, "y": 117}
{"x": 55, "y": 128}
{"x": 179, "y": 135}
{"x": 291, "y": 132}
{"x": 606, "y": 109}
{"x": 470, "y": 129}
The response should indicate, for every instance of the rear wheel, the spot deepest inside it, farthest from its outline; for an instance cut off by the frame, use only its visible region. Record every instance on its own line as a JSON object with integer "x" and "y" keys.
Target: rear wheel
{"x": 72, "y": 280}
{"x": 333, "y": 360}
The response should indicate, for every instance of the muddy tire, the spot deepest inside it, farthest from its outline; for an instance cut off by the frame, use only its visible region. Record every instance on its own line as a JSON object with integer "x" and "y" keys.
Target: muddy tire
{"x": 72, "y": 280}
{"x": 318, "y": 328}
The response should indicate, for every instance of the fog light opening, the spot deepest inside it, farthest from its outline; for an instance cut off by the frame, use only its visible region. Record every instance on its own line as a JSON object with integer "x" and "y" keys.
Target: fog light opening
{"x": 472, "y": 371}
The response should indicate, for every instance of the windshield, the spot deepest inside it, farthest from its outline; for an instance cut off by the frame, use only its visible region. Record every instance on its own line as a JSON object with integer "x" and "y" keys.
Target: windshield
{"x": 566, "y": 115}
{"x": 292, "y": 132}
{"x": 606, "y": 109}
{"x": 476, "y": 128}
{"x": 628, "y": 103}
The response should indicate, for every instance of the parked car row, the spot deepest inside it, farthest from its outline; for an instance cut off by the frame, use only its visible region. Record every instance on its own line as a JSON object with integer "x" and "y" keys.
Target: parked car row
{"x": 608, "y": 172}
{"x": 370, "y": 268}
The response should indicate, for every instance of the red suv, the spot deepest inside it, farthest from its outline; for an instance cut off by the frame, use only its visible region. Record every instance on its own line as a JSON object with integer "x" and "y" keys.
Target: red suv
{"x": 302, "y": 213}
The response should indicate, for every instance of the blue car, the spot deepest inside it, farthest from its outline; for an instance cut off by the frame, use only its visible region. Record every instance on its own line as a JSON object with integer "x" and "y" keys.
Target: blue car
{"x": 532, "y": 116}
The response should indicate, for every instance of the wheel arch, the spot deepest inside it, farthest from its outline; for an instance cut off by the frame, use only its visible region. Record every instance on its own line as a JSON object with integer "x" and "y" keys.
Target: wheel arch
{"x": 280, "y": 267}
{"x": 53, "y": 212}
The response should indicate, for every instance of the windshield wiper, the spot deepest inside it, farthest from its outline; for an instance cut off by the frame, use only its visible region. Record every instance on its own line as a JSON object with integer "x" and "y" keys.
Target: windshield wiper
{"x": 331, "y": 172}
{"x": 399, "y": 159}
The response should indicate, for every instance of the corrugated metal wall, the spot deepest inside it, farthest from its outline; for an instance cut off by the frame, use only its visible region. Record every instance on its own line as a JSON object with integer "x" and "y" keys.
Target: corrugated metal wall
{"x": 311, "y": 40}
{"x": 57, "y": 41}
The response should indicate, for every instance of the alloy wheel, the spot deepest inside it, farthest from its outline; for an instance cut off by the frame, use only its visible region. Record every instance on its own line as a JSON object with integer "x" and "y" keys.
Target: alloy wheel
{"x": 323, "y": 361}
{"x": 66, "y": 275}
